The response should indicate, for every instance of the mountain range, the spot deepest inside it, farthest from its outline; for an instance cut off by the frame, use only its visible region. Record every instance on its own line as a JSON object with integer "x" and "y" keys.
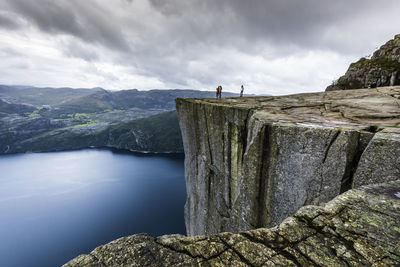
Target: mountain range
{"x": 34, "y": 119}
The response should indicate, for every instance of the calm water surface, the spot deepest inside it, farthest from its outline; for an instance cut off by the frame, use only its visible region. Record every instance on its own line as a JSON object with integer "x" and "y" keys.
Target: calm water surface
{"x": 55, "y": 206}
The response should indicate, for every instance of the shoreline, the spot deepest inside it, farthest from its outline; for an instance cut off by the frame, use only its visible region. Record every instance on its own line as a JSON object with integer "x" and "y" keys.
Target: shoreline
{"x": 112, "y": 149}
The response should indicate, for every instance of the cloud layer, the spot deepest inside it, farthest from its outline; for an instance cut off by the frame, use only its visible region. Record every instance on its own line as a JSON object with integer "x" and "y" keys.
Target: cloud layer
{"x": 272, "y": 47}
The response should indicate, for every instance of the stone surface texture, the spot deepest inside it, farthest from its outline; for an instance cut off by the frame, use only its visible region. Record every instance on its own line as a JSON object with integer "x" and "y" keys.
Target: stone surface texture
{"x": 359, "y": 228}
{"x": 383, "y": 69}
{"x": 252, "y": 162}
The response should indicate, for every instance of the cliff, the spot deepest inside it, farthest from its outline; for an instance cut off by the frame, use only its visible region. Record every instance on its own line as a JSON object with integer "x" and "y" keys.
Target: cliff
{"x": 252, "y": 162}
{"x": 358, "y": 228}
{"x": 256, "y": 162}
{"x": 382, "y": 69}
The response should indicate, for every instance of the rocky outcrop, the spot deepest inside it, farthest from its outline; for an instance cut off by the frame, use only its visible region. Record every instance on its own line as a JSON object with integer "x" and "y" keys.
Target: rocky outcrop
{"x": 382, "y": 69}
{"x": 252, "y": 162}
{"x": 358, "y": 228}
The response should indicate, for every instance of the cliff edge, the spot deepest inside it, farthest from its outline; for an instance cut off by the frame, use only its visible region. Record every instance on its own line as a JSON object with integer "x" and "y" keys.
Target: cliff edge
{"x": 358, "y": 228}
{"x": 252, "y": 162}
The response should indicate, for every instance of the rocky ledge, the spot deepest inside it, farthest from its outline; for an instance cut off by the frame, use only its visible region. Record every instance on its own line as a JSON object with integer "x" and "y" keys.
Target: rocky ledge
{"x": 252, "y": 162}
{"x": 382, "y": 69}
{"x": 359, "y": 228}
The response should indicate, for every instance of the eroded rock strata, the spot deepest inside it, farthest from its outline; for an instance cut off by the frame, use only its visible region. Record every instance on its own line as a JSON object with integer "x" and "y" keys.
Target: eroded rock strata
{"x": 359, "y": 228}
{"x": 382, "y": 69}
{"x": 252, "y": 162}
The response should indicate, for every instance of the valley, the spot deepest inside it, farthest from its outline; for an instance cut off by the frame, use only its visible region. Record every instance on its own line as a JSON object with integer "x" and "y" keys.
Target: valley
{"x": 53, "y": 119}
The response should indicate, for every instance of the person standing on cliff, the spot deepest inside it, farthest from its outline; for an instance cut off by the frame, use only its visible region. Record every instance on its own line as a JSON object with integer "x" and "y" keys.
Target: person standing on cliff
{"x": 241, "y": 90}
{"x": 217, "y": 92}
{"x": 220, "y": 91}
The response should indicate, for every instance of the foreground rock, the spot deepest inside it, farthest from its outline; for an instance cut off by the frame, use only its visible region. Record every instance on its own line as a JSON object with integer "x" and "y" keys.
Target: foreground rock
{"x": 382, "y": 69}
{"x": 358, "y": 228}
{"x": 252, "y": 162}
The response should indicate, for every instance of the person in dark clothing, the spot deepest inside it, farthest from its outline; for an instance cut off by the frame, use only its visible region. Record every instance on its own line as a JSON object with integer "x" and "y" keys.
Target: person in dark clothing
{"x": 372, "y": 85}
{"x": 220, "y": 91}
{"x": 241, "y": 90}
{"x": 217, "y": 92}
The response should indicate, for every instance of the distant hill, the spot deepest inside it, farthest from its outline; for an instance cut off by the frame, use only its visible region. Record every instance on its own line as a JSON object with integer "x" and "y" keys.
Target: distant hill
{"x": 41, "y": 96}
{"x": 9, "y": 108}
{"x": 52, "y": 119}
{"x": 121, "y": 99}
{"x": 125, "y": 99}
{"x": 382, "y": 69}
{"x": 159, "y": 134}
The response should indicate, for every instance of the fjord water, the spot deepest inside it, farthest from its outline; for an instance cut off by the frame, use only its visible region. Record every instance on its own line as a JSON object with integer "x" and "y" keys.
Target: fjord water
{"x": 55, "y": 206}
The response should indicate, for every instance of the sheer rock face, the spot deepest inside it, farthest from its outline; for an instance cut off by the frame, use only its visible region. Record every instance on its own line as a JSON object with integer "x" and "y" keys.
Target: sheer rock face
{"x": 383, "y": 69}
{"x": 252, "y": 162}
{"x": 359, "y": 228}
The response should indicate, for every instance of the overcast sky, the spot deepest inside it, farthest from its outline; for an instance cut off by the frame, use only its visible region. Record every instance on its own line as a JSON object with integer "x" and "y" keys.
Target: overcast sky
{"x": 270, "y": 46}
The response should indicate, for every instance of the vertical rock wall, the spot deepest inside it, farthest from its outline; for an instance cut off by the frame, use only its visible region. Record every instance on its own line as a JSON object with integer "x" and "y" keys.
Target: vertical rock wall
{"x": 245, "y": 171}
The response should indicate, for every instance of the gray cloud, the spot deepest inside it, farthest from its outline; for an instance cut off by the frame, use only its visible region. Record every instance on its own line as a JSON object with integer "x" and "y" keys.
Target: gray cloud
{"x": 83, "y": 19}
{"x": 199, "y": 43}
{"x": 79, "y": 50}
{"x": 225, "y": 22}
{"x": 8, "y": 23}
